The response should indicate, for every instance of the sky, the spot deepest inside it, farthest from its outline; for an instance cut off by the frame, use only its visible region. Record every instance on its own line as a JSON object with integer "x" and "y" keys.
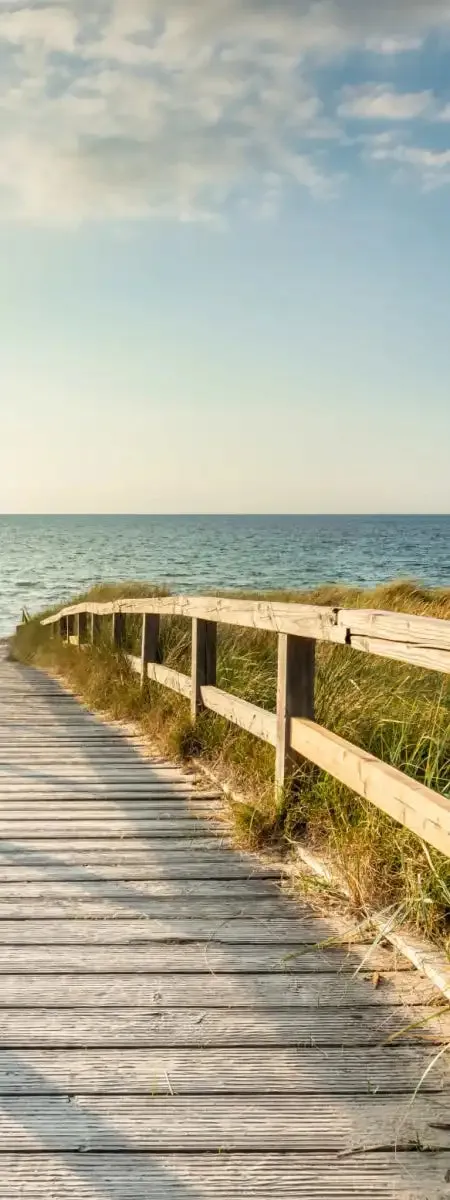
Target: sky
{"x": 224, "y": 256}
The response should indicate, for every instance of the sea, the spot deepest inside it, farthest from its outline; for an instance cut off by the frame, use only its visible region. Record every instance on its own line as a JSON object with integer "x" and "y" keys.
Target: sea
{"x": 47, "y": 559}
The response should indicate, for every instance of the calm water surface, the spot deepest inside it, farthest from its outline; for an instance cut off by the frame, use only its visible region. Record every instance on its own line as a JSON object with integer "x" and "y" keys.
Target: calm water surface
{"x": 46, "y": 559}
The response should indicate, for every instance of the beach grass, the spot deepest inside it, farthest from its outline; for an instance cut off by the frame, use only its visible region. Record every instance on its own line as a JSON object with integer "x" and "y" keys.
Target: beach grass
{"x": 399, "y": 713}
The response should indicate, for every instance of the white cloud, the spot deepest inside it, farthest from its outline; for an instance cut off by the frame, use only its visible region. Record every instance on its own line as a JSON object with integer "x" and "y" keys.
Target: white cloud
{"x": 375, "y": 102}
{"x": 432, "y": 167}
{"x": 52, "y": 26}
{"x": 127, "y": 108}
{"x": 394, "y": 45}
{"x": 415, "y": 156}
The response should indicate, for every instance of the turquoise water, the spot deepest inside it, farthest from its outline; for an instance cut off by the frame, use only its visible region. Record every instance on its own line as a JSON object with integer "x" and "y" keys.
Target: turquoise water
{"x": 47, "y": 559}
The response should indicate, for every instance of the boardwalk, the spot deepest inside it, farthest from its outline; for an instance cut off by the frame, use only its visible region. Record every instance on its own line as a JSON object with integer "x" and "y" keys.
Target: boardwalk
{"x": 168, "y": 1027}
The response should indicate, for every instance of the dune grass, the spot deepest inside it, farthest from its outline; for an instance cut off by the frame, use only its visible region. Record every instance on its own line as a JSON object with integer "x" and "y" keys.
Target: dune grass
{"x": 398, "y": 713}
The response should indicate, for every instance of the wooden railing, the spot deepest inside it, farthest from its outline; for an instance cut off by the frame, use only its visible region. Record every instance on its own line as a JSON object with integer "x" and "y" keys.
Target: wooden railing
{"x": 420, "y": 641}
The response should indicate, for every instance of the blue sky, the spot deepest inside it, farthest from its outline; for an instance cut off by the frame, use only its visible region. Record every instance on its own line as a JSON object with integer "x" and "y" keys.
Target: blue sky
{"x": 224, "y": 246}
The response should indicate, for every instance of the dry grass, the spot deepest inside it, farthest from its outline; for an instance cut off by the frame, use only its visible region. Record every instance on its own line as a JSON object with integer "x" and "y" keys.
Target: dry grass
{"x": 400, "y": 714}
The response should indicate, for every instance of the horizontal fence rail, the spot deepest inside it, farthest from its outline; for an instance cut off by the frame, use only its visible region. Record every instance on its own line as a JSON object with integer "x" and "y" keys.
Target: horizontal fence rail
{"x": 420, "y": 641}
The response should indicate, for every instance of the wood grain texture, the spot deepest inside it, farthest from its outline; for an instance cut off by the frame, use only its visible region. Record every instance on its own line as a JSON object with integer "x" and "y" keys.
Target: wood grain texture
{"x": 412, "y": 804}
{"x": 429, "y": 632}
{"x": 155, "y": 891}
{"x": 119, "y": 929}
{"x": 255, "y": 720}
{"x": 192, "y": 991}
{"x": 169, "y": 810}
{"x": 192, "y": 1072}
{"x": 305, "y": 620}
{"x": 175, "y": 680}
{"x": 109, "y": 849}
{"x": 113, "y": 828}
{"x": 405, "y": 652}
{"x": 160, "y": 908}
{"x": 23, "y": 1027}
{"x": 196, "y": 957}
{"x": 383, "y": 1175}
{"x": 339, "y": 1125}
{"x": 318, "y": 622}
{"x": 165, "y": 866}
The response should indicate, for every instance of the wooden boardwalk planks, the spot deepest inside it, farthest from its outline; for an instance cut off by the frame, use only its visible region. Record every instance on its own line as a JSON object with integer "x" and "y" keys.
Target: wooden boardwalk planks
{"x": 169, "y": 1025}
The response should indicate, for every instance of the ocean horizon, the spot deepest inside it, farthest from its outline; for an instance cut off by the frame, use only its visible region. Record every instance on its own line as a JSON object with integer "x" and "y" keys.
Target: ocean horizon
{"x": 48, "y": 557}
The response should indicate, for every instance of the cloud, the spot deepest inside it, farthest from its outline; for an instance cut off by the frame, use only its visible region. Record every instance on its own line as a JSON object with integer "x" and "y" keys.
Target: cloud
{"x": 432, "y": 167}
{"x": 52, "y": 27}
{"x": 416, "y": 156}
{"x": 375, "y": 102}
{"x": 394, "y": 45}
{"x": 124, "y": 109}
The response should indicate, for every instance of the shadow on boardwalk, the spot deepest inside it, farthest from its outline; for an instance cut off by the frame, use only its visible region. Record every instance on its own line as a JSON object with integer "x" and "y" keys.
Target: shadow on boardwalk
{"x": 41, "y": 1118}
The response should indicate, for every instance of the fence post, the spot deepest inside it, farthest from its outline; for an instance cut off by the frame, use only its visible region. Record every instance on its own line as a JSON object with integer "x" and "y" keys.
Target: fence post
{"x": 118, "y": 629}
{"x": 295, "y": 697}
{"x": 95, "y": 627}
{"x": 150, "y": 642}
{"x": 204, "y": 661}
{"x": 81, "y": 628}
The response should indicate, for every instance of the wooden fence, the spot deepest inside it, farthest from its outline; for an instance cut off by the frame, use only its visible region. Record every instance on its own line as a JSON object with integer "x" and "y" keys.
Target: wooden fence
{"x": 420, "y": 641}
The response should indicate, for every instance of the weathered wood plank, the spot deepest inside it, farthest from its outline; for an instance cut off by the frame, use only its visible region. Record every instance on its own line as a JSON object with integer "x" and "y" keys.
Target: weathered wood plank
{"x": 295, "y": 698}
{"x": 155, "y": 890}
{"x": 149, "y": 643}
{"x": 267, "y": 1176}
{"x": 165, "y": 868}
{"x": 119, "y": 907}
{"x": 430, "y": 632}
{"x": 102, "y": 932}
{"x": 232, "y": 990}
{"x": 146, "y": 811}
{"x": 372, "y": 1071}
{"x": 102, "y": 791}
{"x": 305, "y": 620}
{"x": 255, "y": 720}
{"x": 70, "y": 755}
{"x": 203, "y": 662}
{"x": 15, "y": 778}
{"x": 259, "y": 1123}
{"x": 178, "y": 808}
{"x": 108, "y": 849}
{"x": 93, "y": 784}
{"x": 27, "y": 1028}
{"x": 406, "y": 652}
{"x": 423, "y": 811}
{"x": 175, "y": 680}
{"x": 196, "y": 957}
{"x": 113, "y": 828}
